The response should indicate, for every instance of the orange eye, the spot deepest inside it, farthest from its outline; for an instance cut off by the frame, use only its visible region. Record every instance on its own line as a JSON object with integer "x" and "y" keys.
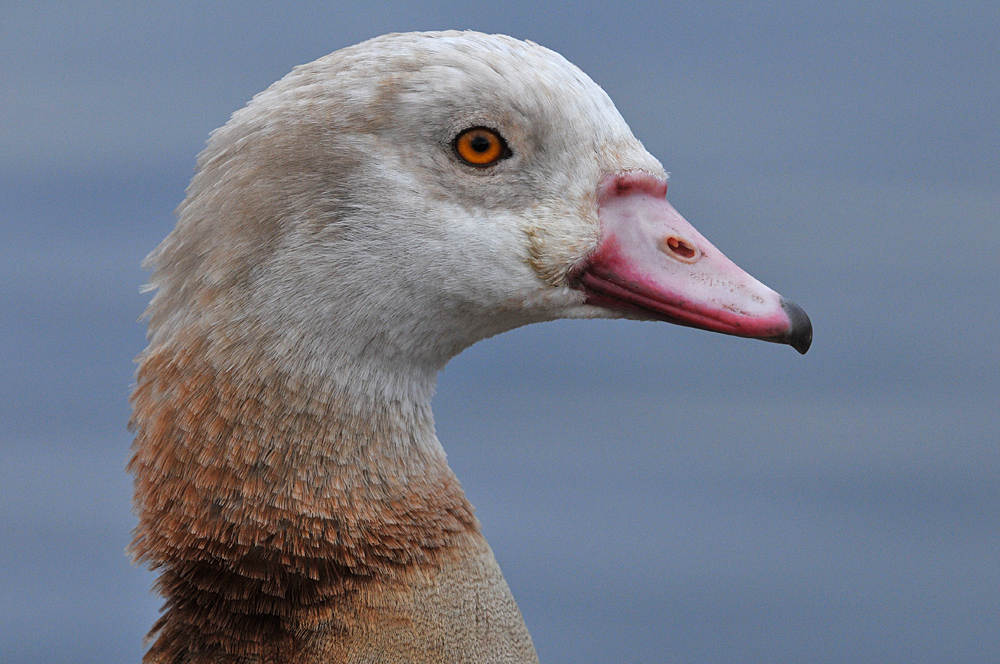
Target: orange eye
{"x": 480, "y": 146}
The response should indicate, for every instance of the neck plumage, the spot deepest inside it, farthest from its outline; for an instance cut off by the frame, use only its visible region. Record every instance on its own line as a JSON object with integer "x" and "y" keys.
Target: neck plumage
{"x": 270, "y": 503}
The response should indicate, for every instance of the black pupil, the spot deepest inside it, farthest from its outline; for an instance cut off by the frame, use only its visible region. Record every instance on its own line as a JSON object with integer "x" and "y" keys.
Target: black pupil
{"x": 480, "y": 143}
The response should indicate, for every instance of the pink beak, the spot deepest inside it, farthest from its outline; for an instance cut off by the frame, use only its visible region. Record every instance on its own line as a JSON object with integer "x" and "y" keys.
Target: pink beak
{"x": 651, "y": 262}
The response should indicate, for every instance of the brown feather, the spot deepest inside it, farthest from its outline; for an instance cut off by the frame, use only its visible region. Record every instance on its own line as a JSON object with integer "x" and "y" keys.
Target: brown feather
{"x": 261, "y": 506}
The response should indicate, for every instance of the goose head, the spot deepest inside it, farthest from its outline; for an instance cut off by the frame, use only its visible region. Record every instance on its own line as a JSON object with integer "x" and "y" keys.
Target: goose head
{"x": 355, "y": 226}
{"x": 378, "y": 210}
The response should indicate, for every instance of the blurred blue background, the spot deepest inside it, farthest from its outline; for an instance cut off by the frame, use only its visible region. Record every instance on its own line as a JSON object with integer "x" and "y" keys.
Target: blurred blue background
{"x": 653, "y": 493}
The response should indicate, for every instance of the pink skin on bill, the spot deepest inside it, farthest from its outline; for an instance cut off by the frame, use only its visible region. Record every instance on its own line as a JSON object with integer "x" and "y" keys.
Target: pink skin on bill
{"x": 650, "y": 262}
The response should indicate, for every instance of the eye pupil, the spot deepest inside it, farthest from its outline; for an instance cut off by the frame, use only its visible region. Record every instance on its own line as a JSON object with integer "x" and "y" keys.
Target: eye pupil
{"x": 480, "y": 144}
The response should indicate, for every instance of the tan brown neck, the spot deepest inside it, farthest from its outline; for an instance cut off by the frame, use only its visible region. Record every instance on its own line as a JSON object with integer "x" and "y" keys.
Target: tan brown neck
{"x": 268, "y": 502}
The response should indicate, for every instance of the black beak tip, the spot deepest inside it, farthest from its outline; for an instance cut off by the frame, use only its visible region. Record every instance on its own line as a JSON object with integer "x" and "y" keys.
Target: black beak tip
{"x": 800, "y": 335}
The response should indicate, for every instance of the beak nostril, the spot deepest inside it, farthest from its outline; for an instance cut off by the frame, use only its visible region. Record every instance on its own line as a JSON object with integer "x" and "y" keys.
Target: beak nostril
{"x": 680, "y": 249}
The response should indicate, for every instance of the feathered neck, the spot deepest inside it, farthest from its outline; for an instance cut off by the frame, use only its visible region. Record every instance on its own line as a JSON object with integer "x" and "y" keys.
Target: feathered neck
{"x": 269, "y": 499}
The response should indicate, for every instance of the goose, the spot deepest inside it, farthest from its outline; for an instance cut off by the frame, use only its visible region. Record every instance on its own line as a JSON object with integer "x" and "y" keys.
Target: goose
{"x": 352, "y": 228}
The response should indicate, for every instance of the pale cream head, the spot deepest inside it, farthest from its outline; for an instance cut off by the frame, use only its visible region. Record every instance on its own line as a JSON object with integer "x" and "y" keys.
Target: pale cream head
{"x": 332, "y": 224}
